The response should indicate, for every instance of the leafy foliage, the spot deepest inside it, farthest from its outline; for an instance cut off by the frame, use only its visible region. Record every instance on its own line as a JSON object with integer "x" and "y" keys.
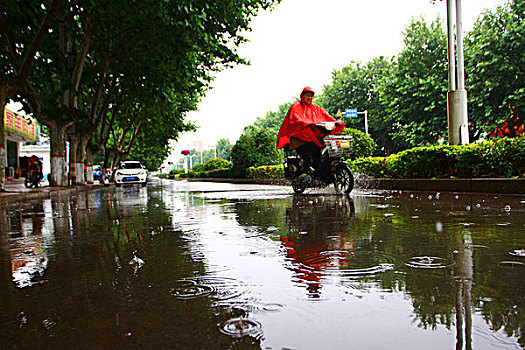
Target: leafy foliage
{"x": 255, "y": 147}
{"x": 216, "y": 163}
{"x": 223, "y": 149}
{"x": 362, "y": 144}
{"x": 272, "y": 120}
{"x": 266, "y": 172}
{"x": 414, "y": 94}
{"x": 495, "y": 65}
{"x": 356, "y": 86}
{"x": 497, "y": 158}
{"x": 110, "y": 71}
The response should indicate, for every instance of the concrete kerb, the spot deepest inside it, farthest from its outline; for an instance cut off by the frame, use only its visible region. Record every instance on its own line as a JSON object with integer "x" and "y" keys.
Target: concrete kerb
{"x": 277, "y": 182}
{"x": 474, "y": 185}
{"x": 16, "y": 192}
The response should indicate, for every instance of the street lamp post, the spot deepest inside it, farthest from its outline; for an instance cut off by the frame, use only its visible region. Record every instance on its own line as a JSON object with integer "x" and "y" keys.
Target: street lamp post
{"x": 457, "y": 111}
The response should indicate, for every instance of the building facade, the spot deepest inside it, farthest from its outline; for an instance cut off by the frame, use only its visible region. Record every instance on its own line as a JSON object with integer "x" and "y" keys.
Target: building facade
{"x": 19, "y": 130}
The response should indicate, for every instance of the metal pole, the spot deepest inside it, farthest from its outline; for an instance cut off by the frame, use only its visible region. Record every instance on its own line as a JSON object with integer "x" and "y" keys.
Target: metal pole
{"x": 459, "y": 42}
{"x": 366, "y": 122}
{"x": 451, "y": 51}
{"x": 457, "y": 96}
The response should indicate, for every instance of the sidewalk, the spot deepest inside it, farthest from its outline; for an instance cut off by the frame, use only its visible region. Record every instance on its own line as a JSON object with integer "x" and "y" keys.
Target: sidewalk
{"x": 16, "y": 191}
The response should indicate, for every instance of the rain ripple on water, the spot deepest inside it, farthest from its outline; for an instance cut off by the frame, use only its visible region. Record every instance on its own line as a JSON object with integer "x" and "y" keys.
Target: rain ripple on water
{"x": 428, "y": 262}
{"x": 240, "y": 327}
{"x": 219, "y": 288}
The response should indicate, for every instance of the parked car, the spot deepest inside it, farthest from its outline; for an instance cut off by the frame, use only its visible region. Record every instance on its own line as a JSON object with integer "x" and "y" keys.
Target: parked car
{"x": 131, "y": 172}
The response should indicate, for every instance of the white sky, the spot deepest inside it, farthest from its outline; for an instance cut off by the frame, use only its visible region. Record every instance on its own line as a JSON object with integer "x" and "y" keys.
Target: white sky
{"x": 299, "y": 43}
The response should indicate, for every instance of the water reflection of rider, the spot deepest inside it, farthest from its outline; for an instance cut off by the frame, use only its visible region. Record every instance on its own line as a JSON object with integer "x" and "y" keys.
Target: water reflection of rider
{"x": 300, "y": 132}
{"x": 316, "y": 226}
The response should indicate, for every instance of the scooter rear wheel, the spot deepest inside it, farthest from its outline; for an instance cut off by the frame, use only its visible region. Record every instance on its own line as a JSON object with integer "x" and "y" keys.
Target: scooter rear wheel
{"x": 343, "y": 179}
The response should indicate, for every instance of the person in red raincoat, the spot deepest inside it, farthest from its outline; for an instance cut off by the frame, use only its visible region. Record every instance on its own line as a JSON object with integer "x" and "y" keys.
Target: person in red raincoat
{"x": 300, "y": 129}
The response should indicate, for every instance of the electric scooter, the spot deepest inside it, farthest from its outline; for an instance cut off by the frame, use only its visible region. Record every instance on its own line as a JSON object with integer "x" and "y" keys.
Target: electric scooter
{"x": 331, "y": 170}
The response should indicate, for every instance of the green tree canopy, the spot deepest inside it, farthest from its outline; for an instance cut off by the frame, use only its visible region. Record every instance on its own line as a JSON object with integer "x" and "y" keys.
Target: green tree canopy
{"x": 355, "y": 86}
{"x": 495, "y": 67}
{"x": 110, "y": 69}
{"x": 223, "y": 149}
{"x": 255, "y": 147}
{"x": 414, "y": 94}
{"x": 272, "y": 120}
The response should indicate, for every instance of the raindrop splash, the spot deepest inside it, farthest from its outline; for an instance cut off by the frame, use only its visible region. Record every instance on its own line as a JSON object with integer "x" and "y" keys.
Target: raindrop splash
{"x": 188, "y": 289}
{"x": 518, "y": 252}
{"x": 240, "y": 327}
{"x": 427, "y": 262}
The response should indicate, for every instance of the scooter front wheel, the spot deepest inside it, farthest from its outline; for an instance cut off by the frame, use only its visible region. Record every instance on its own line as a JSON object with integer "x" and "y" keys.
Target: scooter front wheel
{"x": 299, "y": 184}
{"x": 343, "y": 179}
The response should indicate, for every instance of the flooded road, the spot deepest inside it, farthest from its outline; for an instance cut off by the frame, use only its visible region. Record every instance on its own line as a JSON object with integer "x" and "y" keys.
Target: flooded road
{"x": 188, "y": 265}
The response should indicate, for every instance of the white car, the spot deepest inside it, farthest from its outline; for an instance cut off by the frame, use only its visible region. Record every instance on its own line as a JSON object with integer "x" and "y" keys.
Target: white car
{"x": 131, "y": 172}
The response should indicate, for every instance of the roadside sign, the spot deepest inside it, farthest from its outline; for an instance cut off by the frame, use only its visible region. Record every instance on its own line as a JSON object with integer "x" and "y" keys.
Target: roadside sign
{"x": 351, "y": 113}
{"x": 339, "y": 114}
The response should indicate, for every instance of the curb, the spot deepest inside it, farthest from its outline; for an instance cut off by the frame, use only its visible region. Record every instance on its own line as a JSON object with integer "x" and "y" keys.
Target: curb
{"x": 43, "y": 193}
{"x": 474, "y": 185}
{"x": 277, "y": 182}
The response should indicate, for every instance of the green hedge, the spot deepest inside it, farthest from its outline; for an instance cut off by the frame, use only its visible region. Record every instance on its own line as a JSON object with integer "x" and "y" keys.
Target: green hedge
{"x": 215, "y": 173}
{"x": 503, "y": 157}
{"x": 362, "y": 144}
{"x": 266, "y": 172}
{"x": 216, "y": 163}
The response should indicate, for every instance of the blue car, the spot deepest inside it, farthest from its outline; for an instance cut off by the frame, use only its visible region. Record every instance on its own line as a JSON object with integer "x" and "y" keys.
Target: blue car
{"x": 97, "y": 172}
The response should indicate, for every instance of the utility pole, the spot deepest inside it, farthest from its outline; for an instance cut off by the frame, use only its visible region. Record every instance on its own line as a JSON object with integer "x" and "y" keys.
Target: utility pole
{"x": 457, "y": 111}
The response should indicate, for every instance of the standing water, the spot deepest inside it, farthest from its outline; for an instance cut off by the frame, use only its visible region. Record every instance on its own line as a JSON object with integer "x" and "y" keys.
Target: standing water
{"x": 182, "y": 265}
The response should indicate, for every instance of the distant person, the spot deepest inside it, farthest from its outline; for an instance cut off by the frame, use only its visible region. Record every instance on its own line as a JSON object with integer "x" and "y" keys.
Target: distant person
{"x": 35, "y": 165}
{"x": 301, "y": 128}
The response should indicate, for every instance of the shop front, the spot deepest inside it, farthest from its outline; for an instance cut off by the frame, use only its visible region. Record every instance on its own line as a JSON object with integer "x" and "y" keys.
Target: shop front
{"x": 19, "y": 130}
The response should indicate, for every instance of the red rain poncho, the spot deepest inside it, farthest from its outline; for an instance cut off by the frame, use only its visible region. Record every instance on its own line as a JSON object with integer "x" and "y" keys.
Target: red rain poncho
{"x": 300, "y": 123}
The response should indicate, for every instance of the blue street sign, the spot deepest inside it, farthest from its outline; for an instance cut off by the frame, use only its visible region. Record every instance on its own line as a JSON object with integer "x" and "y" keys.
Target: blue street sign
{"x": 351, "y": 112}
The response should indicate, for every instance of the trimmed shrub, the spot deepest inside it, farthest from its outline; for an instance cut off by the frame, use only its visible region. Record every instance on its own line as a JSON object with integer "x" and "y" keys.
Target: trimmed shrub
{"x": 266, "y": 172}
{"x": 362, "y": 144}
{"x": 198, "y": 167}
{"x": 176, "y": 171}
{"x": 216, "y": 163}
{"x": 496, "y": 158}
{"x": 221, "y": 173}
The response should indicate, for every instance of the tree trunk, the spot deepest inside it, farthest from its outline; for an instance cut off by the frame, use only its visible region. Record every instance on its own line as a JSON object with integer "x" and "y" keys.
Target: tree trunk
{"x": 3, "y": 153}
{"x": 81, "y": 155}
{"x": 58, "y": 175}
{"x": 73, "y": 142}
{"x": 89, "y": 166}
